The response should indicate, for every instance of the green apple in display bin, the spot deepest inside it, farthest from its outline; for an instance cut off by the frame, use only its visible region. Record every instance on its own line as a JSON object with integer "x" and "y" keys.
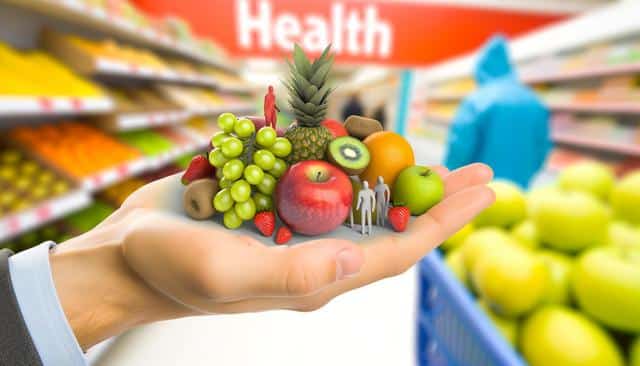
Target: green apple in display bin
{"x": 509, "y": 208}
{"x": 419, "y": 188}
{"x": 590, "y": 177}
{"x": 526, "y": 234}
{"x": 456, "y": 240}
{"x": 511, "y": 279}
{"x": 634, "y": 352}
{"x": 483, "y": 241}
{"x": 560, "y": 268}
{"x": 625, "y": 198}
{"x": 571, "y": 221}
{"x": 606, "y": 284}
{"x": 558, "y": 336}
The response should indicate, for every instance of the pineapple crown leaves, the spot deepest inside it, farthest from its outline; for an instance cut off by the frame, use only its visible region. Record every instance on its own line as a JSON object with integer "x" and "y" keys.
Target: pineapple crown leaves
{"x": 307, "y": 85}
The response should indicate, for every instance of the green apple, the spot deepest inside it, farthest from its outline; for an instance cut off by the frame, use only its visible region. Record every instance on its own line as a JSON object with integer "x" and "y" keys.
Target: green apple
{"x": 606, "y": 284}
{"x": 623, "y": 234}
{"x": 555, "y": 335}
{"x": 588, "y": 176}
{"x": 509, "y": 208}
{"x": 483, "y": 241}
{"x": 506, "y": 326}
{"x": 455, "y": 261}
{"x": 512, "y": 280}
{"x": 560, "y": 268}
{"x": 634, "y": 352}
{"x": 571, "y": 221}
{"x": 537, "y": 195}
{"x": 526, "y": 234}
{"x": 419, "y": 188}
{"x": 456, "y": 240}
{"x": 625, "y": 198}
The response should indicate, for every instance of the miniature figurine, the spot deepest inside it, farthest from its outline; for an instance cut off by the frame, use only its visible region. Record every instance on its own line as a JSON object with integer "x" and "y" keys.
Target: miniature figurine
{"x": 366, "y": 205}
{"x": 383, "y": 196}
{"x": 270, "y": 108}
{"x": 357, "y": 180}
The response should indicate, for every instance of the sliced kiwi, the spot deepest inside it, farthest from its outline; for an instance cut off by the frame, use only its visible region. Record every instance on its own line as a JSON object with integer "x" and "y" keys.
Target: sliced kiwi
{"x": 349, "y": 154}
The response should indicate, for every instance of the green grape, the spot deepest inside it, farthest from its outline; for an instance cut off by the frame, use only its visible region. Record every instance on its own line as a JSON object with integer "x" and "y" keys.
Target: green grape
{"x": 232, "y": 170}
{"x": 267, "y": 185}
{"x": 279, "y": 168}
{"x": 263, "y": 202}
{"x": 226, "y": 121}
{"x": 253, "y": 174}
{"x": 225, "y": 183}
{"x": 241, "y": 191}
{"x": 244, "y": 128}
{"x": 223, "y": 201}
{"x": 219, "y": 138}
{"x": 219, "y": 174}
{"x": 281, "y": 148}
{"x": 232, "y": 147}
{"x": 217, "y": 158}
{"x": 266, "y": 136}
{"x": 264, "y": 159}
{"x": 231, "y": 220}
{"x": 245, "y": 210}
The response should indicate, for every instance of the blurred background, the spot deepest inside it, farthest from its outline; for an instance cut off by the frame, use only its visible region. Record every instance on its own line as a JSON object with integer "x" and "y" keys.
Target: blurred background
{"x": 99, "y": 97}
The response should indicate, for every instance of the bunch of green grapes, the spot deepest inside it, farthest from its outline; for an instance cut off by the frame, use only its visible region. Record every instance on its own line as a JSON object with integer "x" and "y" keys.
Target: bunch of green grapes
{"x": 248, "y": 165}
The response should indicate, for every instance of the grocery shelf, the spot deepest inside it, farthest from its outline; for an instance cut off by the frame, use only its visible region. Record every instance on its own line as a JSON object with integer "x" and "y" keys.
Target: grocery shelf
{"x": 597, "y": 107}
{"x": 45, "y": 106}
{"x": 133, "y": 121}
{"x": 596, "y": 143}
{"x": 592, "y": 72}
{"x": 81, "y": 13}
{"x": 139, "y": 166}
{"x": 140, "y": 120}
{"x": 438, "y": 119}
{"x": 446, "y": 97}
{"x": 15, "y": 224}
{"x": 110, "y": 67}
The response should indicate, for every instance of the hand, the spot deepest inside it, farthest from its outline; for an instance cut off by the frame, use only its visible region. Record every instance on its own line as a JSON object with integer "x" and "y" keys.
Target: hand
{"x": 145, "y": 264}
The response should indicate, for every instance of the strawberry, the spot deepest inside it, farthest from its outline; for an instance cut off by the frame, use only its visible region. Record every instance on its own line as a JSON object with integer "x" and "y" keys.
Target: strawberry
{"x": 283, "y": 235}
{"x": 265, "y": 222}
{"x": 399, "y": 218}
{"x": 198, "y": 168}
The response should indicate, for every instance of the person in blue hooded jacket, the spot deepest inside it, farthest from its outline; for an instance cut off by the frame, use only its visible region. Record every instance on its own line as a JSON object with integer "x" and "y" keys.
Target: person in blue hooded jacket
{"x": 502, "y": 124}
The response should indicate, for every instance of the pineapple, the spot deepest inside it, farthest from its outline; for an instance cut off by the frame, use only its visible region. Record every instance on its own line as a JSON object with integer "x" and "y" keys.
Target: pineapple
{"x": 308, "y": 92}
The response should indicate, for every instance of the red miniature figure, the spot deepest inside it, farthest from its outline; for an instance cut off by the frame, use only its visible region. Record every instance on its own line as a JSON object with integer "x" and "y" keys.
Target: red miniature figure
{"x": 270, "y": 108}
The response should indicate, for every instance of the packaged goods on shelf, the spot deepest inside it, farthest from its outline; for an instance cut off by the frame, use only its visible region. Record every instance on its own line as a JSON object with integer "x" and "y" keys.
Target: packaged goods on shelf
{"x": 25, "y": 182}
{"x": 78, "y": 149}
{"x": 149, "y": 142}
{"x": 36, "y": 74}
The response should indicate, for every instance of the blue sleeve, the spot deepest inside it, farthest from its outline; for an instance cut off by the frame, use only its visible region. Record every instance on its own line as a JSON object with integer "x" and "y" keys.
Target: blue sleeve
{"x": 462, "y": 139}
{"x": 40, "y": 307}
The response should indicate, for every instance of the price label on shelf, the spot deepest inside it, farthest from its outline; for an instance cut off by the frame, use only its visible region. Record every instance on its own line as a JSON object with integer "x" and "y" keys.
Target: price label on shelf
{"x": 46, "y": 104}
{"x": 43, "y": 213}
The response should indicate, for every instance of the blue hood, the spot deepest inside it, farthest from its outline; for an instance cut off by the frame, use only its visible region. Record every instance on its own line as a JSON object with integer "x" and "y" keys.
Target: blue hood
{"x": 493, "y": 62}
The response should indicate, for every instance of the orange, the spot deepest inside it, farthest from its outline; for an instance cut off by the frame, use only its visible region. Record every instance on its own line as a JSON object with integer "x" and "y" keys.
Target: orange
{"x": 390, "y": 154}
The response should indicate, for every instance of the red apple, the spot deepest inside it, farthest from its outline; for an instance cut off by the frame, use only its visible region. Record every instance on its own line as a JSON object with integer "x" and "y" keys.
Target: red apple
{"x": 313, "y": 197}
{"x": 336, "y": 128}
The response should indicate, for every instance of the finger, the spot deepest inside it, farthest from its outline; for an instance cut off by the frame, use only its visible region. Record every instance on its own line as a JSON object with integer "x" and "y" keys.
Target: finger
{"x": 387, "y": 256}
{"x": 441, "y": 170}
{"x": 468, "y": 176}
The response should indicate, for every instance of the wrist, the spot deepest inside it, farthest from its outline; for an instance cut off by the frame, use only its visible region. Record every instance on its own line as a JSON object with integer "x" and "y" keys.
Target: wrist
{"x": 100, "y": 295}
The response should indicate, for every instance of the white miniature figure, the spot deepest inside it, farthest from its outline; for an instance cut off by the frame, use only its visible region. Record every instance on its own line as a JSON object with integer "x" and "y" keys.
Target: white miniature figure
{"x": 383, "y": 196}
{"x": 357, "y": 180}
{"x": 366, "y": 205}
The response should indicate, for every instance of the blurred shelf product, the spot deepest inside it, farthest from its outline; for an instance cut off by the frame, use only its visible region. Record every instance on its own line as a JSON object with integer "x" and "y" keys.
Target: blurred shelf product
{"x": 595, "y": 72}
{"x": 110, "y": 58}
{"x": 42, "y": 213}
{"x": 597, "y": 107}
{"x": 122, "y": 20}
{"x": 11, "y": 106}
{"x": 597, "y": 143}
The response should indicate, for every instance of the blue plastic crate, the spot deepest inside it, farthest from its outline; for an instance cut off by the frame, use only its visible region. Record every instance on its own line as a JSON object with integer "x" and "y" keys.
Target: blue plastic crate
{"x": 452, "y": 330}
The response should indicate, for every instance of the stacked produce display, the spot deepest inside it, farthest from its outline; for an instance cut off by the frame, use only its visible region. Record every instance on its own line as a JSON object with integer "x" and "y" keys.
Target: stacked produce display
{"x": 320, "y": 174}
{"x": 558, "y": 269}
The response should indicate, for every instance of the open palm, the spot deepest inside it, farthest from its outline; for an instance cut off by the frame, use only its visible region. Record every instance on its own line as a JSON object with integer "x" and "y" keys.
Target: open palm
{"x": 207, "y": 269}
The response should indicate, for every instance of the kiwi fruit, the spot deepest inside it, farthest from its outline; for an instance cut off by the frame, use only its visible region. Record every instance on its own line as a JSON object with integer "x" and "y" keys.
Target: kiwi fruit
{"x": 349, "y": 154}
{"x": 198, "y": 198}
{"x": 361, "y": 127}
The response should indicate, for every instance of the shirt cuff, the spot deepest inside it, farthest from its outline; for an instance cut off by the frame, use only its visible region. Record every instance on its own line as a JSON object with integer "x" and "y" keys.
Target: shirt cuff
{"x": 36, "y": 295}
